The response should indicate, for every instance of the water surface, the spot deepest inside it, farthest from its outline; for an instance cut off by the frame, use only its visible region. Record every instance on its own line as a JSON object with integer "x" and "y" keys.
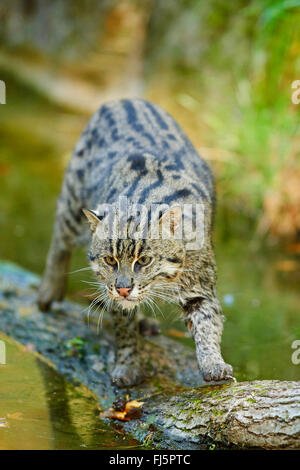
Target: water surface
{"x": 40, "y": 410}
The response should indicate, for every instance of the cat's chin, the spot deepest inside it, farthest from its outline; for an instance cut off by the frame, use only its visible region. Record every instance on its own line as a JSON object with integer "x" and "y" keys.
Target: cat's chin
{"x": 128, "y": 304}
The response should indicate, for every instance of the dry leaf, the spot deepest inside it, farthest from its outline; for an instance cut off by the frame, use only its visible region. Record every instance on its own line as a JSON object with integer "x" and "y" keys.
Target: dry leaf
{"x": 132, "y": 411}
{"x": 133, "y": 404}
{"x": 113, "y": 414}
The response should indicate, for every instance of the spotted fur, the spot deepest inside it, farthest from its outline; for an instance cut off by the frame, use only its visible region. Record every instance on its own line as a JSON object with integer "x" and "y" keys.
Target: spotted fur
{"x": 134, "y": 149}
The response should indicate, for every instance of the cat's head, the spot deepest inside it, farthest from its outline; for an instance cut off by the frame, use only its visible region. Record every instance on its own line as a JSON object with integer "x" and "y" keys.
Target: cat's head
{"x": 131, "y": 271}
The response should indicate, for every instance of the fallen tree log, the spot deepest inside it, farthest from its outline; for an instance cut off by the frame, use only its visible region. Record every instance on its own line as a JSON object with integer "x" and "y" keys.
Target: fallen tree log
{"x": 178, "y": 414}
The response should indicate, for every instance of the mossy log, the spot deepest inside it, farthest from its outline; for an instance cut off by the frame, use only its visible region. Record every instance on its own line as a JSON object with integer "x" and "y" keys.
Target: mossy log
{"x": 178, "y": 413}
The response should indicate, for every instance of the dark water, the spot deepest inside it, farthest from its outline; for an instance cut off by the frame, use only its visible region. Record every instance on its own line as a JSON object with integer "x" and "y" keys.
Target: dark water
{"x": 261, "y": 303}
{"x": 41, "y": 410}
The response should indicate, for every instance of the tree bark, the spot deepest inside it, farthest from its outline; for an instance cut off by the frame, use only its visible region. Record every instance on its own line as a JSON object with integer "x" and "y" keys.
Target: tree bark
{"x": 261, "y": 414}
{"x": 177, "y": 412}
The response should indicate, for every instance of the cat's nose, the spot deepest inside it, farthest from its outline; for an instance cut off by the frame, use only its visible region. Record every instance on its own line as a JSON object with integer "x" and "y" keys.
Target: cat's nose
{"x": 123, "y": 286}
{"x": 124, "y": 291}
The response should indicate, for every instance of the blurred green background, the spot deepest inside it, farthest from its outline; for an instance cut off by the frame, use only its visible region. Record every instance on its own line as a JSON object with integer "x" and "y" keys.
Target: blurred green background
{"x": 224, "y": 70}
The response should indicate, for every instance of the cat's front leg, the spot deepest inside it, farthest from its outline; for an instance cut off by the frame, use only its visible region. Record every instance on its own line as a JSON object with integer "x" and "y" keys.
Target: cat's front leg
{"x": 205, "y": 321}
{"x": 128, "y": 369}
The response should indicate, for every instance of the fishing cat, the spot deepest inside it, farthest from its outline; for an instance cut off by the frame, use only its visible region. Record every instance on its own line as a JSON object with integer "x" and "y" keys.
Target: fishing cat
{"x": 135, "y": 150}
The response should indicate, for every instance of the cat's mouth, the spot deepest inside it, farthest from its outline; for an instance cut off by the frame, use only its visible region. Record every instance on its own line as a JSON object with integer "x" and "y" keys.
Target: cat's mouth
{"x": 127, "y": 302}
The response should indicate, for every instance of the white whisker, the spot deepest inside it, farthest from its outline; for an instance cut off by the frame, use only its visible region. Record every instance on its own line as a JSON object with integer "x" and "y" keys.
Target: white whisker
{"x": 88, "y": 268}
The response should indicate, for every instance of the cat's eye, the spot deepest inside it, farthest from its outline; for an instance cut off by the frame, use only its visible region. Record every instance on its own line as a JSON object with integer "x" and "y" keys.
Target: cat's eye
{"x": 110, "y": 260}
{"x": 144, "y": 260}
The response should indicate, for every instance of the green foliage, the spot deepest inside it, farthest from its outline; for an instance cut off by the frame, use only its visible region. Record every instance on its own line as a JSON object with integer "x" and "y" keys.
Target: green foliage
{"x": 235, "y": 62}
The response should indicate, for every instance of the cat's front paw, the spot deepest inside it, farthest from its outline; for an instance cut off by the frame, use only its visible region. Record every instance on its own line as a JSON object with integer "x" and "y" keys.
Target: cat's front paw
{"x": 126, "y": 375}
{"x": 217, "y": 372}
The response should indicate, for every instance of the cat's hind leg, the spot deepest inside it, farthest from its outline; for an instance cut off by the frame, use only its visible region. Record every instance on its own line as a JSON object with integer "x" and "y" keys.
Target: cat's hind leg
{"x": 54, "y": 279}
{"x": 67, "y": 230}
{"x": 148, "y": 326}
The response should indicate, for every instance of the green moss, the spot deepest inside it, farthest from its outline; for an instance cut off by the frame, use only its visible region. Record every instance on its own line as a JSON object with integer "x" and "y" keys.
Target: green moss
{"x": 218, "y": 412}
{"x": 197, "y": 401}
{"x": 251, "y": 400}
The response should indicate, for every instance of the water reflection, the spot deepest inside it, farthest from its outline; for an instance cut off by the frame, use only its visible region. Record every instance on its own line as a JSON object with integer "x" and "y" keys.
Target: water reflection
{"x": 40, "y": 410}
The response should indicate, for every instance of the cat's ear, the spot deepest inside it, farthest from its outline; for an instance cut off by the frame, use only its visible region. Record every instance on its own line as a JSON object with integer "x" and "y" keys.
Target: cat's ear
{"x": 170, "y": 221}
{"x": 92, "y": 218}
